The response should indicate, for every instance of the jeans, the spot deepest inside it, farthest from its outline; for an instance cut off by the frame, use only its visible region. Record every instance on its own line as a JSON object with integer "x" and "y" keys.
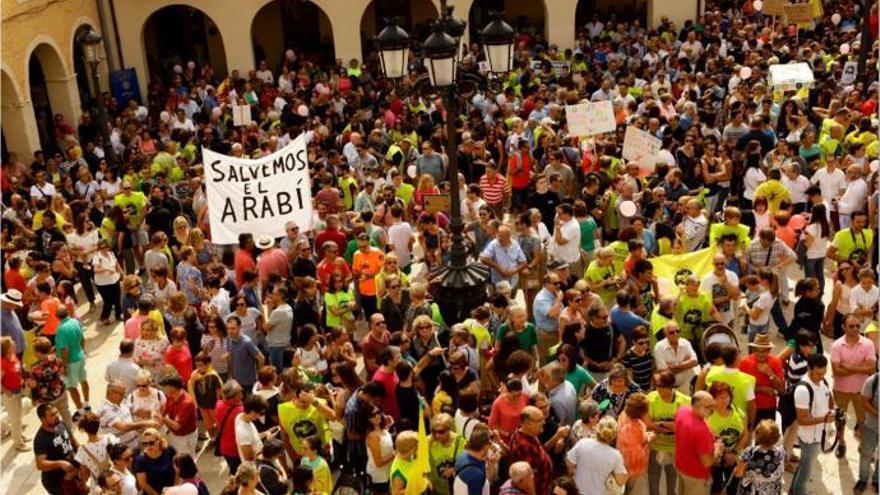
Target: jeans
{"x": 654, "y": 472}
{"x": 756, "y": 329}
{"x": 112, "y": 296}
{"x": 276, "y": 358}
{"x": 809, "y": 452}
{"x": 866, "y": 454}
{"x": 816, "y": 268}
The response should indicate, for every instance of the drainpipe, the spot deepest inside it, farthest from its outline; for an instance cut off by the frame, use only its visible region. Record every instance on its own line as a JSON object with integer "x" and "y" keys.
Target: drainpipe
{"x": 108, "y": 26}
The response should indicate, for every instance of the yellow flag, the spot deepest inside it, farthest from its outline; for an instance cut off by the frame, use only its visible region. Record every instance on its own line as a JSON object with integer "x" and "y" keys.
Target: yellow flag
{"x": 417, "y": 482}
{"x": 672, "y": 270}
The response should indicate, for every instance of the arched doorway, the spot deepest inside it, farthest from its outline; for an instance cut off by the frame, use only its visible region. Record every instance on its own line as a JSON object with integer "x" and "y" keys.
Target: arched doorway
{"x": 46, "y": 80}
{"x": 623, "y": 10}
{"x": 301, "y": 26}
{"x": 528, "y": 17}
{"x": 178, "y": 34}
{"x": 414, "y": 17}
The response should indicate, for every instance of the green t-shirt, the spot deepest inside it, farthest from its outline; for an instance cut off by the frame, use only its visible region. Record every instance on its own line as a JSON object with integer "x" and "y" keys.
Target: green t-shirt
{"x": 596, "y": 273}
{"x": 69, "y": 336}
{"x": 691, "y": 312}
{"x": 135, "y": 199}
{"x": 443, "y": 457}
{"x": 740, "y": 383}
{"x": 405, "y": 192}
{"x": 336, "y": 300}
{"x": 401, "y": 469}
{"x": 527, "y": 338}
{"x": 588, "y": 229}
{"x": 851, "y": 246}
{"x": 303, "y": 423}
{"x": 719, "y": 230}
{"x": 481, "y": 334}
{"x": 580, "y": 378}
{"x": 660, "y": 410}
{"x": 728, "y": 428}
{"x": 346, "y": 184}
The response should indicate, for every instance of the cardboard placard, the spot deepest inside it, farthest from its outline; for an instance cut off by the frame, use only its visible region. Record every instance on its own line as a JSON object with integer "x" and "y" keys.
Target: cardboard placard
{"x": 774, "y": 7}
{"x": 799, "y": 13}
{"x": 435, "y": 203}
{"x": 640, "y": 146}
{"x": 589, "y": 119}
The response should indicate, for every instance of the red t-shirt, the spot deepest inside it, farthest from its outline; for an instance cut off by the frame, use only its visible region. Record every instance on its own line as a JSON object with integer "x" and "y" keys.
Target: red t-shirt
{"x": 48, "y": 307}
{"x": 226, "y": 426}
{"x": 371, "y": 347}
{"x": 523, "y": 178}
{"x": 180, "y": 358}
{"x": 11, "y": 379}
{"x": 749, "y": 364}
{"x": 183, "y": 410}
{"x": 273, "y": 261}
{"x": 334, "y": 235}
{"x": 693, "y": 438}
{"x": 389, "y": 402}
{"x": 244, "y": 261}
{"x": 326, "y": 269}
{"x": 14, "y": 280}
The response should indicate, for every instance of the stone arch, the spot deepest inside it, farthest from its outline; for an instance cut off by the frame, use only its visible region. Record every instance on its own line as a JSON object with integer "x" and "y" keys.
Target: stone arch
{"x": 627, "y": 10}
{"x": 52, "y": 88}
{"x": 18, "y": 125}
{"x": 81, "y": 71}
{"x": 524, "y": 15}
{"x": 187, "y": 34}
{"x": 303, "y": 26}
{"x": 413, "y": 16}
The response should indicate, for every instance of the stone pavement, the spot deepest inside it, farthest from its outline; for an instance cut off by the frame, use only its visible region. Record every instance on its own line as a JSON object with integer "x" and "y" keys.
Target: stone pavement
{"x": 20, "y": 477}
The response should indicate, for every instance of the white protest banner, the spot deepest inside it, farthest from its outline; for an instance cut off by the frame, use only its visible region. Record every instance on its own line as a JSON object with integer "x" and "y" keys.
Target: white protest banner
{"x": 791, "y": 76}
{"x": 589, "y": 119}
{"x": 258, "y": 196}
{"x": 241, "y": 115}
{"x": 640, "y": 146}
{"x": 850, "y": 71}
{"x": 555, "y": 65}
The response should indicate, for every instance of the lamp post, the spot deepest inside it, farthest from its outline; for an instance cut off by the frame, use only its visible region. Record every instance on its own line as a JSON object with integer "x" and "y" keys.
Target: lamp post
{"x": 461, "y": 282}
{"x": 91, "y": 44}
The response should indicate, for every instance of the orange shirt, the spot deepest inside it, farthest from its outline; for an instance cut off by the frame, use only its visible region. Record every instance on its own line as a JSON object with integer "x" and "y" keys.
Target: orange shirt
{"x": 367, "y": 265}
{"x": 631, "y": 444}
{"x": 48, "y": 307}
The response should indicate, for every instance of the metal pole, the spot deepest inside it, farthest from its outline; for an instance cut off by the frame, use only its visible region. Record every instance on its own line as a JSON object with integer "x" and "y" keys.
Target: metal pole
{"x": 109, "y": 153}
{"x": 458, "y": 250}
{"x": 865, "y": 46}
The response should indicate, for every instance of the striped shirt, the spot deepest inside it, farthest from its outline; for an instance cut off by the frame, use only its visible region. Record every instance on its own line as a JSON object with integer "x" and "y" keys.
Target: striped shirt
{"x": 493, "y": 191}
{"x": 642, "y": 367}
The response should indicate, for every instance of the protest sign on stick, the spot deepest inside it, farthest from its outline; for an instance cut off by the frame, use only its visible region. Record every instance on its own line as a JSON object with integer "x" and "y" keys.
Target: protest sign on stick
{"x": 589, "y": 119}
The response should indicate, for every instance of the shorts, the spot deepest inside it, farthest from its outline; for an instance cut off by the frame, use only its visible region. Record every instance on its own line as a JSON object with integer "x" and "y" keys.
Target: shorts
{"x": 76, "y": 374}
{"x": 141, "y": 238}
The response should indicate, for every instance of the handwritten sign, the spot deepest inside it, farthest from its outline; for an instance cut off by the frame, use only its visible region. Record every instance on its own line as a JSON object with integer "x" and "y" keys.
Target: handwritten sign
{"x": 774, "y": 7}
{"x": 799, "y": 13}
{"x": 640, "y": 146}
{"x": 555, "y": 65}
{"x": 257, "y": 196}
{"x": 435, "y": 203}
{"x": 589, "y": 119}
{"x": 241, "y": 115}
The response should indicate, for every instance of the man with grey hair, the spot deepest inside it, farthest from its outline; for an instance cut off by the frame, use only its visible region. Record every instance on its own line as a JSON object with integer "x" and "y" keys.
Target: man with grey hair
{"x": 855, "y": 195}
{"x": 116, "y": 417}
{"x": 676, "y": 354}
{"x": 695, "y": 446}
{"x": 521, "y": 482}
{"x": 562, "y": 394}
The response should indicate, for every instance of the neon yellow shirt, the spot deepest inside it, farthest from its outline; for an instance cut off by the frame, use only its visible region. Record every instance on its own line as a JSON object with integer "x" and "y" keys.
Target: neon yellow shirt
{"x": 691, "y": 312}
{"x": 740, "y": 383}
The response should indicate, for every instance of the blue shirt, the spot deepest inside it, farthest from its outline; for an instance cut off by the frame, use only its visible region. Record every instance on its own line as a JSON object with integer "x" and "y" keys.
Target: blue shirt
{"x": 540, "y": 307}
{"x": 625, "y": 321}
{"x": 470, "y": 475}
{"x": 505, "y": 257}
{"x": 10, "y": 326}
{"x": 244, "y": 366}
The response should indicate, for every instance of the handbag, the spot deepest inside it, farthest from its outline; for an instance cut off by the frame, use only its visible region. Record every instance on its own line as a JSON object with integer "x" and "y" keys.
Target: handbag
{"x": 800, "y": 249}
{"x": 611, "y": 486}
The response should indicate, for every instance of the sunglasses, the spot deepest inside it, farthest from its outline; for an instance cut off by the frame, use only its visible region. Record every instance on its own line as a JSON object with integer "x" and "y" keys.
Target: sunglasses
{"x": 148, "y": 443}
{"x": 143, "y": 385}
{"x": 672, "y": 333}
{"x": 393, "y": 286}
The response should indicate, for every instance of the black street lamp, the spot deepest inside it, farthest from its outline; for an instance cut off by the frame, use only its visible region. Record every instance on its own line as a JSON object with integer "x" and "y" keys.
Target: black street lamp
{"x": 461, "y": 282}
{"x": 91, "y": 45}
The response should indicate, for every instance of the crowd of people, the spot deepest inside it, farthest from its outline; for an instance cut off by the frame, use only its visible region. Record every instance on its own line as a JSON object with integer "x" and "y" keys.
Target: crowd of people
{"x": 297, "y": 359}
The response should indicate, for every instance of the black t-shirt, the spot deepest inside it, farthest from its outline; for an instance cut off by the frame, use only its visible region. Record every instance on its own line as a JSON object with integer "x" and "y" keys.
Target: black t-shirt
{"x": 304, "y": 268}
{"x": 408, "y": 403}
{"x": 160, "y": 471}
{"x": 546, "y": 203}
{"x": 598, "y": 344}
{"x": 158, "y": 220}
{"x": 56, "y": 446}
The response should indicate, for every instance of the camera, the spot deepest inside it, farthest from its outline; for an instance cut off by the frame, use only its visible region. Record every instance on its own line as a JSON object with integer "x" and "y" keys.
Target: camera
{"x": 839, "y": 418}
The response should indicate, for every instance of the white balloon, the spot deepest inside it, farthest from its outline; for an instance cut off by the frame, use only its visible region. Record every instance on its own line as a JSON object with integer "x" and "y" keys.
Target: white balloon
{"x": 758, "y": 5}
{"x": 165, "y": 116}
{"x": 628, "y": 209}
{"x": 303, "y": 111}
{"x": 141, "y": 113}
{"x": 844, "y": 48}
{"x": 835, "y": 18}
{"x": 178, "y": 69}
{"x": 191, "y": 65}
{"x": 745, "y": 73}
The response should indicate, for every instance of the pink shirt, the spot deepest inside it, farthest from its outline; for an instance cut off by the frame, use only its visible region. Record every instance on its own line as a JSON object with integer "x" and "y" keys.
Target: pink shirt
{"x": 632, "y": 446}
{"x": 272, "y": 261}
{"x": 389, "y": 402}
{"x": 860, "y": 353}
{"x": 692, "y": 439}
{"x": 505, "y": 414}
{"x": 133, "y": 326}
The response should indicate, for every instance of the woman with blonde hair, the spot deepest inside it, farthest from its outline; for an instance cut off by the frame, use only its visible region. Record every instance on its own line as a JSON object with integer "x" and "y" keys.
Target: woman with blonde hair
{"x": 426, "y": 186}
{"x": 594, "y": 462}
{"x": 444, "y": 445}
{"x": 204, "y": 250}
{"x": 149, "y": 349}
{"x": 145, "y": 401}
{"x": 181, "y": 235}
{"x": 391, "y": 266}
{"x": 60, "y": 206}
{"x": 402, "y": 467}
{"x": 154, "y": 466}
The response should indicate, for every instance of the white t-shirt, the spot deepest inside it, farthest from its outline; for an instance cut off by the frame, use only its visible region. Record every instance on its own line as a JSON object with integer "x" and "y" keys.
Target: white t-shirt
{"x": 107, "y": 260}
{"x": 248, "y": 322}
{"x": 45, "y": 191}
{"x": 797, "y": 188}
{"x": 854, "y": 197}
{"x": 819, "y": 248}
{"x": 831, "y": 183}
{"x": 859, "y": 298}
{"x": 712, "y": 284}
{"x": 110, "y": 190}
{"x": 246, "y": 434}
{"x": 569, "y": 252}
{"x": 821, "y": 395}
{"x": 765, "y": 302}
{"x": 464, "y": 425}
{"x": 399, "y": 235}
{"x": 91, "y": 455}
{"x": 87, "y": 241}
{"x": 594, "y": 461}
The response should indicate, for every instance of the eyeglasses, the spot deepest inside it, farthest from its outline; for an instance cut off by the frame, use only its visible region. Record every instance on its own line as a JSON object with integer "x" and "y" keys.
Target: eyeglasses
{"x": 143, "y": 385}
{"x": 393, "y": 286}
{"x": 673, "y": 332}
{"x": 422, "y": 327}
